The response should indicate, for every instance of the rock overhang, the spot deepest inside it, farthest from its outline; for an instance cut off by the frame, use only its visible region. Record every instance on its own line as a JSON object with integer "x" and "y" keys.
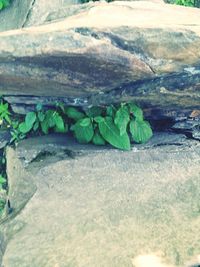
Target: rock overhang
{"x": 153, "y": 49}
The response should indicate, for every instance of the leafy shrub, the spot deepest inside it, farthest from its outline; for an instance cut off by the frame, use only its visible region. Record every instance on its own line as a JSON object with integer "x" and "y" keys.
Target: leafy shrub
{"x": 117, "y": 125}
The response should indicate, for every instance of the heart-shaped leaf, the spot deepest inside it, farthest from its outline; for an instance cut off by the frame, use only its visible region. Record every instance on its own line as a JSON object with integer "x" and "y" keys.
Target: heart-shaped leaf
{"x": 137, "y": 112}
{"x": 94, "y": 112}
{"x": 141, "y": 131}
{"x": 85, "y": 122}
{"x": 111, "y": 134}
{"x": 23, "y": 128}
{"x": 74, "y": 113}
{"x": 30, "y": 119}
{"x": 60, "y": 125}
{"x": 122, "y": 118}
{"x": 98, "y": 139}
{"x": 83, "y": 134}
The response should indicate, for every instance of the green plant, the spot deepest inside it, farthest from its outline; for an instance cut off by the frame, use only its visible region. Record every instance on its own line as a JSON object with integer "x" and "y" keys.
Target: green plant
{"x": 4, "y": 3}
{"x": 39, "y": 121}
{"x": 4, "y": 113}
{"x": 190, "y": 3}
{"x": 117, "y": 126}
{"x": 3, "y": 182}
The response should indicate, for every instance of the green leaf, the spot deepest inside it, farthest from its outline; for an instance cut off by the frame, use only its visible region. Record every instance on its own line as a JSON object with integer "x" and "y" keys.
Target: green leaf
{"x": 111, "y": 134}
{"x": 94, "y": 112}
{"x": 60, "y": 125}
{"x": 6, "y": 3}
{"x": 50, "y": 118}
{"x": 41, "y": 116}
{"x": 74, "y": 114}
{"x": 137, "y": 112}
{"x": 30, "y": 119}
{"x": 2, "y": 180}
{"x": 45, "y": 127}
{"x": 83, "y": 134}
{"x": 141, "y": 131}
{"x": 1, "y": 5}
{"x": 99, "y": 119}
{"x": 122, "y": 118}
{"x": 7, "y": 118}
{"x": 85, "y": 122}
{"x": 36, "y": 126}
{"x": 23, "y": 128}
{"x": 98, "y": 139}
{"x": 39, "y": 107}
{"x": 110, "y": 111}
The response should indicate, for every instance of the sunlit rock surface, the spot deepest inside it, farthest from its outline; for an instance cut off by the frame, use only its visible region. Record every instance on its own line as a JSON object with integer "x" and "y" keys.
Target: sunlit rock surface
{"x": 77, "y": 205}
{"x": 145, "y": 51}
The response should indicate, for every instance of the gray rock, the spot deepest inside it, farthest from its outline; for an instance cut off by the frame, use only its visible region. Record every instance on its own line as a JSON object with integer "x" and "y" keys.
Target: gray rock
{"x": 42, "y": 9}
{"x": 21, "y": 186}
{"x": 24, "y": 13}
{"x": 108, "y": 53}
{"x": 104, "y": 207}
{"x": 15, "y": 15}
{"x": 5, "y": 137}
{"x": 190, "y": 126}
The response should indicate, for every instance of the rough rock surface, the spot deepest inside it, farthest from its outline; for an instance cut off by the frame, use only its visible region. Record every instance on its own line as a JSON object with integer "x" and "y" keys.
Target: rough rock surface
{"x": 139, "y": 50}
{"x": 15, "y": 15}
{"x": 102, "y": 207}
{"x": 23, "y": 13}
{"x": 41, "y": 10}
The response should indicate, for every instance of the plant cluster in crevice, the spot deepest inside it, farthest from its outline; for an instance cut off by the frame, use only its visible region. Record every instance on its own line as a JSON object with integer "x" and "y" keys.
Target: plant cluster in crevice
{"x": 117, "y": 125}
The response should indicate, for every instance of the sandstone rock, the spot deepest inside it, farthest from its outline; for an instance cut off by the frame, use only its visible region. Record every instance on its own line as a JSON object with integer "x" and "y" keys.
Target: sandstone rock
{"x": 23, "y": 13}
{"x": 141, "y": 51}
{"x": 103, "y": 206}
{"x": 15, "y": 15}
{"x": 41, "y": 9}
{"x": 5, "y": 137}
{"x": 191, "y": 126}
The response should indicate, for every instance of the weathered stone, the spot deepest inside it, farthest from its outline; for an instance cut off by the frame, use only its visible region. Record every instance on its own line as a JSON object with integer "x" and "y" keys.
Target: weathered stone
{"x": 5, "y": 137}
{"x": 189, "y": 126}
{"x": 104, "y": 207}
{"x": 41, "y": 10}
{"x": 108, "y": 53}
{"x": 23, "y": 13}
{"x": 21, "y": 186}
{"x": 15, "y": 16}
